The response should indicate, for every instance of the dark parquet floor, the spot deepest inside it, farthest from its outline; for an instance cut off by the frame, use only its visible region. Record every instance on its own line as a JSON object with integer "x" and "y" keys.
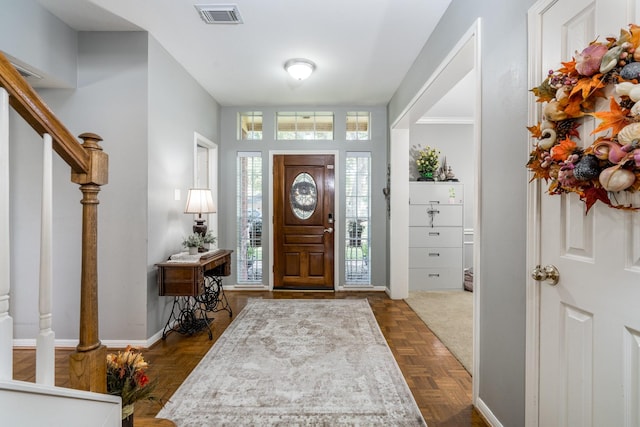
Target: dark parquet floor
{"x": 440, "y": 385}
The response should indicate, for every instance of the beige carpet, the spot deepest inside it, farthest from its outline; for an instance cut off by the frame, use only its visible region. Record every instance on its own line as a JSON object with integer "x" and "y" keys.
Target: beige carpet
{"x": 297, "y": 363}
{"x": 449, "y": 314}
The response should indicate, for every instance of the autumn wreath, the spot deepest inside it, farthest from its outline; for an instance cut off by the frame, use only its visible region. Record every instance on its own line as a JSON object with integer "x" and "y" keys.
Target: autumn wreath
{"x": 611, "y": 164}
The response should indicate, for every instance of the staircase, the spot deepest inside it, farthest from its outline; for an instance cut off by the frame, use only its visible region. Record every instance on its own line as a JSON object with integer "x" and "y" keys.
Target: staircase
{"x": 28, "y": 404}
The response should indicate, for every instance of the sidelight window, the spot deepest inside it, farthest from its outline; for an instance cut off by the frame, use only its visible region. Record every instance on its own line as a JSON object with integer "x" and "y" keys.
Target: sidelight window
{"x": 249, "y": 217}
{"x": 358, "y": 219}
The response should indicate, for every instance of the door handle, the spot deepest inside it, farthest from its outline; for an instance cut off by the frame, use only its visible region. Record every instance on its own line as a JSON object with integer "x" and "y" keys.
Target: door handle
{"x": 328, "y": 230}
{"x": 548, "y": 273}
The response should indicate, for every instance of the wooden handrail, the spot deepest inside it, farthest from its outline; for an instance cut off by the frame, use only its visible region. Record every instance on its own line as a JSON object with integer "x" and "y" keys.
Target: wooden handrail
{"x": 89, "y": 169}
{"x": 34, "y": 111}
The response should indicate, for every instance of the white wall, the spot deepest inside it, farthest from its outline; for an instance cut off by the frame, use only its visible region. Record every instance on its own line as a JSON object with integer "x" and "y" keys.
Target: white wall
{"x": 455, "y": 142}
{"x": 504, "y": 180}
{"x": 112, "y": 67}
{"x": 146, "y": 108}
{"x": 24, "y": 25}
{"x": 178, "y": 106}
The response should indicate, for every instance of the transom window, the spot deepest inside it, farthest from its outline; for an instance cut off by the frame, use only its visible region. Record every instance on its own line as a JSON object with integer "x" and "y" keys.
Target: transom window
{"x": 304, "y": 125}
{"x": 358, "y": 126}
{"x": 250, "y": 125}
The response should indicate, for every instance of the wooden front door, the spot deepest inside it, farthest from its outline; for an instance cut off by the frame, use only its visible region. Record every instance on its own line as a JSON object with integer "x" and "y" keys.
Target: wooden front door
{"x": 303, "y": 200}
{"x": 589, "y": 322}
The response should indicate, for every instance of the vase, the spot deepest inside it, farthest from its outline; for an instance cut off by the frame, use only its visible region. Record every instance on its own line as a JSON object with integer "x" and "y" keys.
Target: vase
{"x": 193, "y": 250}
{"x": 426, "y": 176}
{"x": 127, "y": 415}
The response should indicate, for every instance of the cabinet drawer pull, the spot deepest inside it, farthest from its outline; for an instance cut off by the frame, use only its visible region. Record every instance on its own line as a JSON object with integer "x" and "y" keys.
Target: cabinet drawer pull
{"x": 434, "y": 275}
{"x": 434, "y": 254}
{"x": 434, "y": 233}
{"x": 434, "y": 201}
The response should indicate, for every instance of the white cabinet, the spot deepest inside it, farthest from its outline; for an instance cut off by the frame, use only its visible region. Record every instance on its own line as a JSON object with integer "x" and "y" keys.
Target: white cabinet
{"x": 435, "y": 235}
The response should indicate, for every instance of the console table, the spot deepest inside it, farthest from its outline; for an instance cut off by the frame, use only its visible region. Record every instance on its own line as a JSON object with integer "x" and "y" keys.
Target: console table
{"x": 195, "y": 282}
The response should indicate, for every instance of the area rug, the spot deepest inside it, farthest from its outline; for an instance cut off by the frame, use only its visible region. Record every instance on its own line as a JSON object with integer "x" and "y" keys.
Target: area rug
{"x": 297, "y": 363}
{"x": 449, "y": 315}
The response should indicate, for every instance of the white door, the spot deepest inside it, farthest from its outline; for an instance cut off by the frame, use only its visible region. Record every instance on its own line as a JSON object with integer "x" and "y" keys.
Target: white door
{"x": 589, "y": 323}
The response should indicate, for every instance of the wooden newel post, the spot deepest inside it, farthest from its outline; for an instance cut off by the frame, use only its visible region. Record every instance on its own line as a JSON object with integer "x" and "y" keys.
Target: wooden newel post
{"x": 87, "y": 365}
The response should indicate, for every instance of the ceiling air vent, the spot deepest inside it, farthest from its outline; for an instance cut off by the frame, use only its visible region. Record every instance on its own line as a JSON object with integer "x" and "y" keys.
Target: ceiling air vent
{"x": 219, "y": 14}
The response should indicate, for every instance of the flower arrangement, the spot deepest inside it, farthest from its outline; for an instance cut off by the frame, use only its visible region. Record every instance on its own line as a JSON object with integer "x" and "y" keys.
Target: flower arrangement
{"x": 427, "y": 160}
{"x": 611, "y": 163}
{"x": 193, "y": 240}
{"x": 127, "y": 378}
{"x": 209, "y": 237}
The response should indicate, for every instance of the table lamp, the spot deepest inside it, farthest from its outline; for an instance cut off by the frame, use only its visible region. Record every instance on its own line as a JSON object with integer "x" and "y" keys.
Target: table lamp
{"x": 199, "y": 201}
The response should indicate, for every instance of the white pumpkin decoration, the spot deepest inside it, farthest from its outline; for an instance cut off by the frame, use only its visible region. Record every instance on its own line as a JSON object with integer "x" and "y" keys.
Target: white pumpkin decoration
{"x": 629, "y": 133}
{"x": 615, "y": 178}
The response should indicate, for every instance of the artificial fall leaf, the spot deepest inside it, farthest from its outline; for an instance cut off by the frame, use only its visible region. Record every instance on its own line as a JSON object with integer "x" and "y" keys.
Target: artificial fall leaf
{"x": 589, "y": 104}
{"x": 554, "y": 188}
{"x": 588, "y": 85}
{"x": 534, "y": 165}
{"x": 573, "y": 106}
{"x": 544, "y": 92}
{"x": 615, "y": 118}
{"x": 635, "y": 35}
{"x": 592, "y": 194}
{"x": 632, "y": 35}
{"x": 563, "y": 150}
{"x": 535, "y": 131}
{"x": 569, "y": 67}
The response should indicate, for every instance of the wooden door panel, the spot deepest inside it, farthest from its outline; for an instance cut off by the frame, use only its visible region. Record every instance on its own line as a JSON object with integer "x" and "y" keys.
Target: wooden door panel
{"x": 303, "y": 250}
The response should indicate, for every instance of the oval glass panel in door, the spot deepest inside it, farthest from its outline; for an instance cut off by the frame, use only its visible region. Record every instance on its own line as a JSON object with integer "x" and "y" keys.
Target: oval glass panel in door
{"x": 303, "y": 196}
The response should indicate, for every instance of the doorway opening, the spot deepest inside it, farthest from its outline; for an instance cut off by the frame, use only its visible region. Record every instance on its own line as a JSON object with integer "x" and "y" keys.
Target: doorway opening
{"x": 205, "y": 173}
{"x": 464, "y": 60}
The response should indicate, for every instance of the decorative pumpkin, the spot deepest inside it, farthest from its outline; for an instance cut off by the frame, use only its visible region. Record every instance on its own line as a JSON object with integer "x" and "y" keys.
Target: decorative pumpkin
{"x": 616, "y": 178}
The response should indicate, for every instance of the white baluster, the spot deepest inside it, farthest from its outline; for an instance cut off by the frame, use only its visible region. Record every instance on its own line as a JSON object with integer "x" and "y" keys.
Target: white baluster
{"x": 6, "y": 322}
{"x": 45, "y": 347}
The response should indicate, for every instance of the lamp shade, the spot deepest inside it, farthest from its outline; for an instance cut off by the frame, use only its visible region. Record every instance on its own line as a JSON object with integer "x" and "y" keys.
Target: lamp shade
{"x": 199, "y": 201}
{"x": 299, "y": 69}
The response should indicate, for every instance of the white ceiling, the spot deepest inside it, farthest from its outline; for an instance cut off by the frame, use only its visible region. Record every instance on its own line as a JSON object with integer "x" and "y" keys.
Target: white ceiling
{"x": 362, "y": 48}
{"x": 454, "y": 107}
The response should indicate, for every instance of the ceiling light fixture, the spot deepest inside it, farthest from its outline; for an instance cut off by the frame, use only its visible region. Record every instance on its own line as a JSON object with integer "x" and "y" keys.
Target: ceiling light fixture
{"x": 299, "y": 68}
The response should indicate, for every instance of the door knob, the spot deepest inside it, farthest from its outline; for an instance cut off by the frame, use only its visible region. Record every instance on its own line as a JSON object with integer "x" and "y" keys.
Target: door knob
{"x": 328, "y": 230}
{"x": 548, "y": 273}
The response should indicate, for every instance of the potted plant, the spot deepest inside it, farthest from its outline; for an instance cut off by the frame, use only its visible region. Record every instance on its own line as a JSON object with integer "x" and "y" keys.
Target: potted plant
{"x": 127, "y": 378}
{"x": 192, "y": 242}
{"x": 208, "y": 239}
{"x": 427, "y": 163}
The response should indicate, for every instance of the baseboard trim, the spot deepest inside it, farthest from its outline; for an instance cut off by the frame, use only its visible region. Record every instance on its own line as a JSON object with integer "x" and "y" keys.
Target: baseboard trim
{"x": 487, "y": 414}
